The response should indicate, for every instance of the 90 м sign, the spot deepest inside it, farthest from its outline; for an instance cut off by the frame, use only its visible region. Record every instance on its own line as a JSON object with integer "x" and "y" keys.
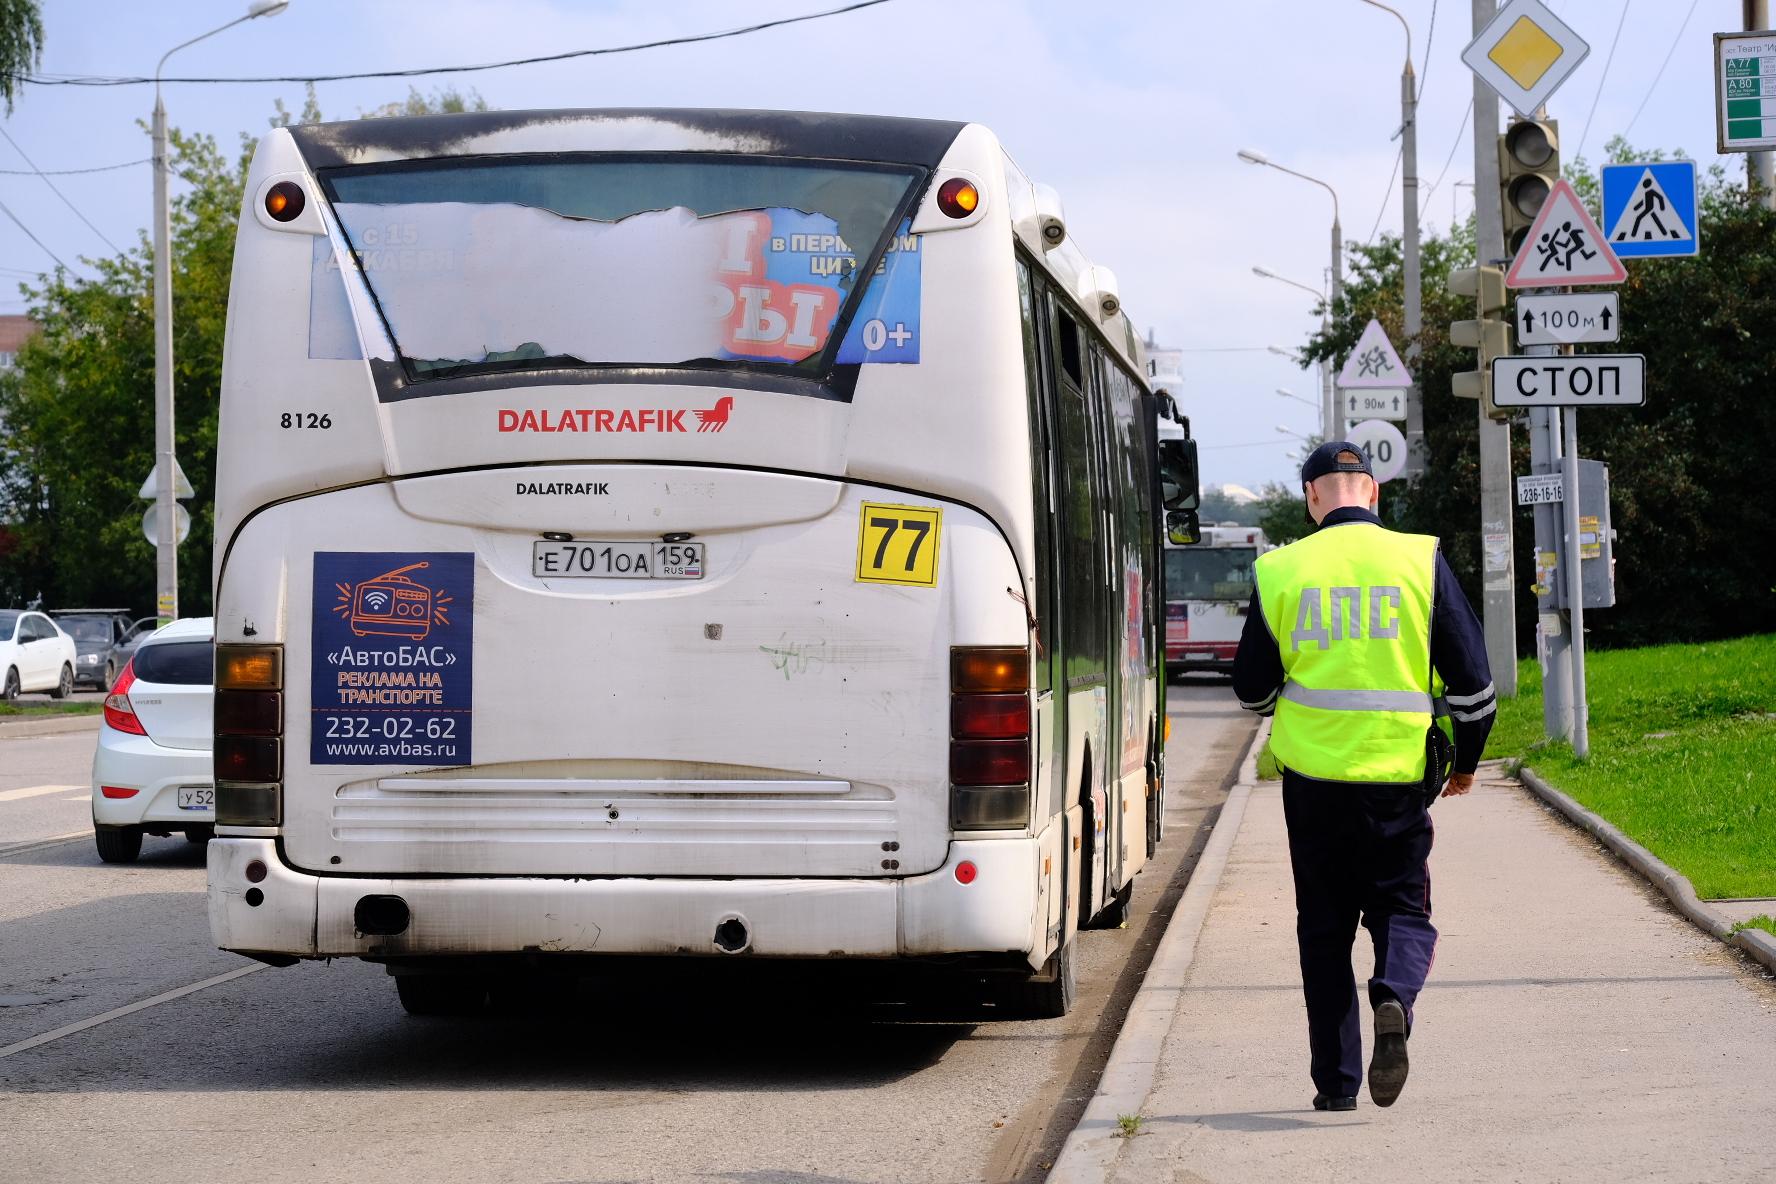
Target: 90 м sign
{"x": 1589, "y": 380}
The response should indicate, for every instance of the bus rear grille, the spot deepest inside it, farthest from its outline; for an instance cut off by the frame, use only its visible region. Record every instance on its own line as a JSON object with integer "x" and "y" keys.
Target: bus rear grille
{"x": 534, "y": 810}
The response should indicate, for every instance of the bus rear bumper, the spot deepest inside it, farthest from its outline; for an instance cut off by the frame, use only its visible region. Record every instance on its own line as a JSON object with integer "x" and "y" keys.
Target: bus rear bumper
{"x": 296, "y": 913}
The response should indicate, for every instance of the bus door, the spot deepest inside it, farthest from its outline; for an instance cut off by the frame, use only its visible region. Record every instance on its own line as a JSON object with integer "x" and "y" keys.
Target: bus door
{"x": 1081, "y": 580}
{"x": 1111, "y": 479}
{"x": 1055, "y": 794}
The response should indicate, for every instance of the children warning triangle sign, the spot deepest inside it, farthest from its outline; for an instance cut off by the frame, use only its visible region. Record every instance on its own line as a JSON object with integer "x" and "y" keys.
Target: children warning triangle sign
{"x": 1373, "y": 364}
{"x": 1649, "y": 216}
{"x": 1564, "y": 246}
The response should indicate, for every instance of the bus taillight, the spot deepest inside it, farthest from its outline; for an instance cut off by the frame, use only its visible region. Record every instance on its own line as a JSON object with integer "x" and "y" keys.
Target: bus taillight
{"x": 989, "y": 738}
{"x": 249, "y": 725}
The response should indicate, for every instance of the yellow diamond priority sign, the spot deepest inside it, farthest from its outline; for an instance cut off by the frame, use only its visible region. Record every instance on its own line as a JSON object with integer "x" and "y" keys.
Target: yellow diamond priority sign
{"x": 1525, "y": 53}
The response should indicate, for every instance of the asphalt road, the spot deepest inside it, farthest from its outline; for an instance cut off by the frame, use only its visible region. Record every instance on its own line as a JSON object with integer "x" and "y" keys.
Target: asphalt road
{"x": 45, "y": 785}
{"x": 313, "y": 1072}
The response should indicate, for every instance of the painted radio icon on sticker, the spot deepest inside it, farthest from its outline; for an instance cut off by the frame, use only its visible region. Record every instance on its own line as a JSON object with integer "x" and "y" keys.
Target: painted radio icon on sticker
{"x": 898, "y": 544}
{"x": 393, "y": 605}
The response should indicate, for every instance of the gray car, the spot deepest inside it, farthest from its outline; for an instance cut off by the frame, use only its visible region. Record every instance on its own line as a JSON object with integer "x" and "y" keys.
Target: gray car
{"x": 104, "y": 638}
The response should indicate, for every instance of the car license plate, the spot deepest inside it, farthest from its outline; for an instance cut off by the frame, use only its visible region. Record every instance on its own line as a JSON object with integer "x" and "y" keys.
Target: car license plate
{"x": 617, "y": 561}
{"x": 195, "y": 797}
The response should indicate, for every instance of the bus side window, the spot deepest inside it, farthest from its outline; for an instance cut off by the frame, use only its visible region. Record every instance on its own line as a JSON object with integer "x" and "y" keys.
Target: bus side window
{"x": 1041, "y": 485}
{"x": 1080, "y": 578}
{"x": 1067, "y": 333}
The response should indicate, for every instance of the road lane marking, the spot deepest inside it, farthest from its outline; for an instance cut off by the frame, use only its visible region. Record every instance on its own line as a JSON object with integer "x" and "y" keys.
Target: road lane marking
{"x": 34, "y": 791}
{"x": 30, "y": 845}
{"x": 131, "y": 1009}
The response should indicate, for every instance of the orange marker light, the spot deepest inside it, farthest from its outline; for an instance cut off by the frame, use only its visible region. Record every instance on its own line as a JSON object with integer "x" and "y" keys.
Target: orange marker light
{"x": 990, "y": 669}
{"x": 958, "y": 198}
{"x": 285, "y": 200}
{"x": 249, "y": 667}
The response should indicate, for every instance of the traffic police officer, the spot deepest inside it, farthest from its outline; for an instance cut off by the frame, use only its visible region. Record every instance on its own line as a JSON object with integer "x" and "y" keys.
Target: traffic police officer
{"x": 1340, "y": 642}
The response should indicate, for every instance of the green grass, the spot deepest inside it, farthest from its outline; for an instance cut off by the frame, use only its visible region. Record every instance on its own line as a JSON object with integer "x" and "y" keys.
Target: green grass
{"x": 1683, "y": 755}
{"x": 15, "y": 709}
{"x": 1767, "y": 924}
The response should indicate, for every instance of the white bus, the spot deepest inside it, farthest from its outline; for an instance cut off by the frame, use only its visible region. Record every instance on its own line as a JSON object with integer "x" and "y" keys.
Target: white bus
{"x": 1208, "y": 591}
{"x": 678, "y": 533}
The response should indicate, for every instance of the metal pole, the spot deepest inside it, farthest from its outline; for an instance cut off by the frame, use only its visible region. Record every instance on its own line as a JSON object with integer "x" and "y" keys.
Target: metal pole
{"x": 1415, "y": 445}
{"x": 1328, "y": 395}
{"x": 1497, "y": 610}
{"x": 166, "y": 566}
{"x": 1760, "y": 167}
{"x": 1335, "y": 429}
{"x": 1575, "y": 585}
{"x": 1544, "y": 457}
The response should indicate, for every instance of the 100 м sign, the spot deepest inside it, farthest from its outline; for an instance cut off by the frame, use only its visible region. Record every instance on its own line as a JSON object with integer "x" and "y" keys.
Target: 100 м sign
{"x": 1588, "y": 380}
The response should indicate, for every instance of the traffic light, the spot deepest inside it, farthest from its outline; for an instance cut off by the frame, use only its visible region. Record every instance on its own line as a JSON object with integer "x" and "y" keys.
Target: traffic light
{"x": 1487, "y": 333}
{"x": 1529, "y": 164}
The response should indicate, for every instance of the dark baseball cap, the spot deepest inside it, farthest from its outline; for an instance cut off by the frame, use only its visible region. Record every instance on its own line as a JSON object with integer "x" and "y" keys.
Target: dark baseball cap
{"x": 1324, "y": 460}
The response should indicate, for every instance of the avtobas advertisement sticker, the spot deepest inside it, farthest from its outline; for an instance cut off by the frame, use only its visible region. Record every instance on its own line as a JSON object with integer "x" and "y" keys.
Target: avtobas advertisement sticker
{"x": 392, "y": 658}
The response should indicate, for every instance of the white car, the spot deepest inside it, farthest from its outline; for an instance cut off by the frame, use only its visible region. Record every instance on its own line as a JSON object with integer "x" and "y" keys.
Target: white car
{"x": 151, "y": 773}
{"x": 35, "y": 655}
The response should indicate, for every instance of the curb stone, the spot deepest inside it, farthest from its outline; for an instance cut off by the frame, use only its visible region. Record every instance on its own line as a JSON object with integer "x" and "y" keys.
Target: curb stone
{"x": 1676, "y": 887}
{"x": 49, "y": 725}
{"x": 1092, "y": 1147}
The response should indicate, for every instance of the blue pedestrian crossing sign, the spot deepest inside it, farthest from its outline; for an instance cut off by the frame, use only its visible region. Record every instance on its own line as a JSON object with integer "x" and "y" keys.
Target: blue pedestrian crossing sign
{"x": 1649, "y": 209}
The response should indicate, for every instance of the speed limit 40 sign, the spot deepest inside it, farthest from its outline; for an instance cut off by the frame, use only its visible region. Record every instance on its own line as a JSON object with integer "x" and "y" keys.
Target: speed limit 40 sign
{"x": 1382, "y": 442}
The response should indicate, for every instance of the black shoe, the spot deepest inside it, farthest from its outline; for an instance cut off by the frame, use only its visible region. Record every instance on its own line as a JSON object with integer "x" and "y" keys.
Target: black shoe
{"x": 1387, "y": 1068}
{"x": 1328, "y": 1102}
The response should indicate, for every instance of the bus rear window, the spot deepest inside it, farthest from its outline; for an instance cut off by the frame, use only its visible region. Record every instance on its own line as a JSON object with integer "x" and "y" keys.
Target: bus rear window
{"x": 540, "y": 262}
{"x": 1210, "y": 573}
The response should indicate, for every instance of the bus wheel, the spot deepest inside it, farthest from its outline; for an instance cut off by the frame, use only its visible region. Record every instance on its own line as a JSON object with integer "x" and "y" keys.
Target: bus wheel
{"x": 441, "y": 994}
{"x": 1048, "y": 994}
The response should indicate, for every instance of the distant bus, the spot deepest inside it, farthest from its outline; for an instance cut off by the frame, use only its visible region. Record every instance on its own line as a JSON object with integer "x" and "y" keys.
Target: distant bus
{"x": 1208, "y": 591}
{"x": 680, "y": 533}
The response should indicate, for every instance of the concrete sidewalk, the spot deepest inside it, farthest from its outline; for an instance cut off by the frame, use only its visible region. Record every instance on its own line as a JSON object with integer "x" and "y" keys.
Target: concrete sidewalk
{"x": 1575, "y": 1028}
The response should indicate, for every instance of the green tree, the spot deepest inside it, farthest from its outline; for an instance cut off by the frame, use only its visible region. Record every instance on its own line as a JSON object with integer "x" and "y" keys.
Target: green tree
{"x": 1282, "y": 514}
{"x": 21, "y": 45}
{"x": 79, "y": 405}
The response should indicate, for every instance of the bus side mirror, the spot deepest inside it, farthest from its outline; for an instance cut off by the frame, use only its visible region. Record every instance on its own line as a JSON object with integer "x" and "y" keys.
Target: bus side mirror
{"x": 1183, "y": 528}
{"x": 1178, "y": 475}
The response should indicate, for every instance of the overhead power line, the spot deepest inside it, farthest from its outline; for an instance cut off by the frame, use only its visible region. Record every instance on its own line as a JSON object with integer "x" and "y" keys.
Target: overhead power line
{"x": 1460, "y": 133}
{"x": 1386, "y": 197}
{"x": 418, "y": 72}
{"x": 98, "y": 168}
{"x": 32, "y": 237}
{"x": 52, "y": 188}
{"x": 1676, "y": 37}
{"x": 1423, "y": 74}
{"x": 1607, "y": 62}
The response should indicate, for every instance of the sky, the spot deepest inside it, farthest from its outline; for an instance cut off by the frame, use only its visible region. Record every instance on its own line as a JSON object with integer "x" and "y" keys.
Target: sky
{"x": 1133, "y": 111}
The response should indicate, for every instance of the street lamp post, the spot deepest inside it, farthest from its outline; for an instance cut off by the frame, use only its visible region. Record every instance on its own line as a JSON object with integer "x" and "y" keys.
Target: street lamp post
{"x": 166, "y": 567}
{"x": 1333, "y": 424}
{"x": 1327, "y": 395}
{"x": 1413, "y": 296}
{"x": 1286, "y": 393}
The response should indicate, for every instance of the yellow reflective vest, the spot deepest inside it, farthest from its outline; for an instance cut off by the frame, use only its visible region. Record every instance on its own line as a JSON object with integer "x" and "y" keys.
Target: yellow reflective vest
{"x": 1350, "y": 608}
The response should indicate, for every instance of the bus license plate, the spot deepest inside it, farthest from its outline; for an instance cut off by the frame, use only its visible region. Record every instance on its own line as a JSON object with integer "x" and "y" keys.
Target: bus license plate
{"x": 193, "y": 797}
{"x": 617, "y": 561}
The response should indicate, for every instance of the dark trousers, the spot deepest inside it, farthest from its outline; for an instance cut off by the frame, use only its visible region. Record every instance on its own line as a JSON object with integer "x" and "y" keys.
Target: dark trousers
{"x": 1359, "y": 852}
